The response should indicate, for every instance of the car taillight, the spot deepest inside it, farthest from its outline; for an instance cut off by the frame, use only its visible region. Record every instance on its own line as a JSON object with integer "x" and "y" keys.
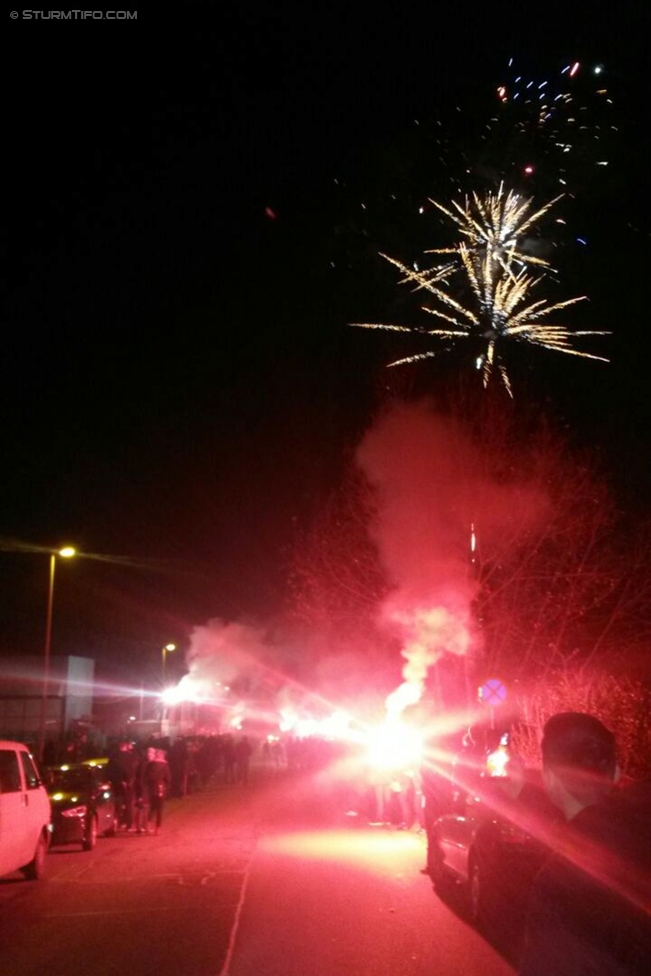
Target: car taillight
{"x": 74, "y": 812}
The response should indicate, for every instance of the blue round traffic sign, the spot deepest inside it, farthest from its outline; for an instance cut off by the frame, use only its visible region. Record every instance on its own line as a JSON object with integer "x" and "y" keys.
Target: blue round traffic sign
{"x": 493, "y": 692}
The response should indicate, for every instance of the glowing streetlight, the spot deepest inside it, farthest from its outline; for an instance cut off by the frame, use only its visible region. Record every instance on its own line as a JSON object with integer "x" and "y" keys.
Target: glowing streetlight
{"x": 165, "y": 650}
{"x": 66, "y": 553}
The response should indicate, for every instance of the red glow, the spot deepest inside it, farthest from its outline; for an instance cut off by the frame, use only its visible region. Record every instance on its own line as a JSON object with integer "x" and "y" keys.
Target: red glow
{"x": 369, "y": 850}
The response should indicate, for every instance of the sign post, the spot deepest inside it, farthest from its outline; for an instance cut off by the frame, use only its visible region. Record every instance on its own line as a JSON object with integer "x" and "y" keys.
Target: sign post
{"x": 493, "y": 693}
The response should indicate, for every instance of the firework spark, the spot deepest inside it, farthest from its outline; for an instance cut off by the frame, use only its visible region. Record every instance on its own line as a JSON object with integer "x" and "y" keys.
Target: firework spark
{"x": 563, "y": 122}
{"x": 494, "y": 226}
{"x": 498, "y": 283}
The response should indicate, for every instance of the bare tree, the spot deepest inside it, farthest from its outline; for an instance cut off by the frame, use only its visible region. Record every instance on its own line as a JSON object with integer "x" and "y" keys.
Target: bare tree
{"x": 336, "y": 580}
{"x": 621, "y": 702}
{"x": 571, "y": 583}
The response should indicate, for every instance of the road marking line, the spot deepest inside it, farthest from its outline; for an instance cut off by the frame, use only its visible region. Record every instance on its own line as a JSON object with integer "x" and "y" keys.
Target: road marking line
{"x": 236, "y": 923}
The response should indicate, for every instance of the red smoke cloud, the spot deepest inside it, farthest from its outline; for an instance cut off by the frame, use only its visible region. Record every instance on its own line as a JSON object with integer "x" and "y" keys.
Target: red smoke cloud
{"x": 433, "y": 485}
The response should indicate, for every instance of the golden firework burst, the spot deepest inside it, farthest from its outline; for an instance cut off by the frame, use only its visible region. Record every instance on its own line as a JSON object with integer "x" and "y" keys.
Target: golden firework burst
{"x": 496, "y": 276}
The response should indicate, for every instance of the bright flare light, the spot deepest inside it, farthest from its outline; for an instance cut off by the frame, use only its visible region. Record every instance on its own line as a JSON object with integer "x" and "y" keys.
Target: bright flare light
{"x": 497, "y": 762}
{"x": 287, "y": 720}
{"x": 334, "y": 726}
{"x": 394, "y": 746}
{"x": 306, "y": 727}
{"x": 173, "y": 696}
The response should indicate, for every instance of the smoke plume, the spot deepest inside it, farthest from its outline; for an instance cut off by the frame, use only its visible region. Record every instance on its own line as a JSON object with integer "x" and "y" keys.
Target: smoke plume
{"x": 435, "y": 498}
{"x": 219, "y": 654}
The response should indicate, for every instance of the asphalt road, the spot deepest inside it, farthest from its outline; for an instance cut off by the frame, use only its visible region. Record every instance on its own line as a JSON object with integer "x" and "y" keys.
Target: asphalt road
{"x": 261, "y": 880}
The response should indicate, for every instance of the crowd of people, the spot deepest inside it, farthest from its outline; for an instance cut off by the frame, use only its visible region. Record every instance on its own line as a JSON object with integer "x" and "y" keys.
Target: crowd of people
{"x": 590, "y": 905}
{"x": 141, "y": 781}
{"x": 143, "y": 777}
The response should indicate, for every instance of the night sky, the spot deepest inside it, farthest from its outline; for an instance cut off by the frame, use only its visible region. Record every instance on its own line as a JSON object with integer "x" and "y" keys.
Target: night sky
{"x": 186, "y": 245}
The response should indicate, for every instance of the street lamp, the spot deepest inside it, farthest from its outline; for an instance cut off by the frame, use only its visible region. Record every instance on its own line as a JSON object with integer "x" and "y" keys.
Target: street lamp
{"x": 67, "y": 552}
{"x": 165, "y": 650}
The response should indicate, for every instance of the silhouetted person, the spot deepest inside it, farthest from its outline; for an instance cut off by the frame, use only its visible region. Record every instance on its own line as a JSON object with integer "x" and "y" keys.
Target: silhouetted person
{"x": 243, "y": 752}
{"x": 179, "y": 762}
{"x": 277, "y": 752}
{"x": 157, "y": 781}
{"x": 121, "y": 771}
{"x": 228, "y": 757}
{"x": 590, "y": 904}
{"x": 468, "y": 767}
{"x": 141, "y": 805}
{"x": 206, "y": 759}
{"x": 129, "y": 761}
{"x": 49, "y": 756}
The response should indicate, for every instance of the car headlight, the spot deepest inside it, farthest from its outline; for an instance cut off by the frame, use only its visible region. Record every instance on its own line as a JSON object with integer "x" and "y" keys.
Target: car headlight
{"x": 75, "y": 811}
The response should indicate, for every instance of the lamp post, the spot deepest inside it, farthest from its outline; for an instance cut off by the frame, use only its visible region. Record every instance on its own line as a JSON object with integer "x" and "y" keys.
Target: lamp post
{"x": 67, "y": 552}
{"x": 165, "y": 650}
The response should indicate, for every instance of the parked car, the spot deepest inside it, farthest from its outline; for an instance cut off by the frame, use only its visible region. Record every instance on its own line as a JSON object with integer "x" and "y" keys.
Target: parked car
{"x": 24, "y": 812}
{"x": 493, "y": 846}
{"x": 83, "y": 804}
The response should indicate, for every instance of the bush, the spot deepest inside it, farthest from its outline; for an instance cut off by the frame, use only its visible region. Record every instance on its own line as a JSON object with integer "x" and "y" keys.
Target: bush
{"x": 623, "y": 704}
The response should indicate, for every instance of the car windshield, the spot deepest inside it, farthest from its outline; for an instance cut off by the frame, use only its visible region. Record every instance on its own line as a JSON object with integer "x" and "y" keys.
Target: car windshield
{"x": 70, "y": 779}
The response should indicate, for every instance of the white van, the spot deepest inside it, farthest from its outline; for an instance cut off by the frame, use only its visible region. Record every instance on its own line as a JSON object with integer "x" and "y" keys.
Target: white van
{"x": 24, "y": 812}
